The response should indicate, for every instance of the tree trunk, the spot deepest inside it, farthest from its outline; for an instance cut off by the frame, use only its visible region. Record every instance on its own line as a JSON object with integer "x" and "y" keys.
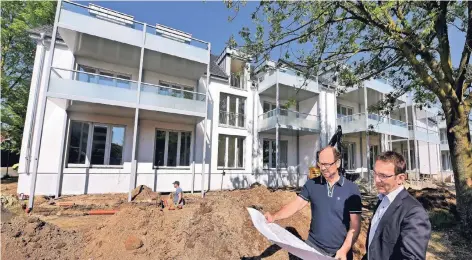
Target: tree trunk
{"x": 458, "y": 136}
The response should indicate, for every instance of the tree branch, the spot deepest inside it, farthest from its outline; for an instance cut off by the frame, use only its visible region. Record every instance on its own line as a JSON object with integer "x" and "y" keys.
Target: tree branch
{"x": 440, "y": 26}
{"x": 465, "y": 58}
{"x": 418, "y": 66}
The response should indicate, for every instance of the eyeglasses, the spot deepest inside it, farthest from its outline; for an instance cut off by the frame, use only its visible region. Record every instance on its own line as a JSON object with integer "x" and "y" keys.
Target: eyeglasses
{"x": 381, "y": 176}
{"x": 326, "y": 165}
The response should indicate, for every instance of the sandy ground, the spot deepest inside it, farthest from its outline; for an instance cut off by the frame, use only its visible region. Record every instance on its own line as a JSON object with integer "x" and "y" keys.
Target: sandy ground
{"x": 216, "y": 227}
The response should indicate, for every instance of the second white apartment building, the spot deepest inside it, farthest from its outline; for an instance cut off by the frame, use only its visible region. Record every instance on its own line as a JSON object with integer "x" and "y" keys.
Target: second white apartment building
{"x": 116, "y": 103}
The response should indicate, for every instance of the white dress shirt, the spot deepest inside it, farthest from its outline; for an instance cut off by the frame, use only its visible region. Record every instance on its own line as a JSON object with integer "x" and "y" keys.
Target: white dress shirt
{"x": 386, "y": 201}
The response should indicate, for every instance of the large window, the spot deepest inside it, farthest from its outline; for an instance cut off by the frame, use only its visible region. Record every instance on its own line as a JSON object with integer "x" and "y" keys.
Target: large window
{"x": 172, "y": 148}
{"x": 108, "y": 78}
{"x": 230, "y": 151}
{"x": 232, "y": 109}
{"x": 95, "y": 144}
{"x": 269, "y": 153}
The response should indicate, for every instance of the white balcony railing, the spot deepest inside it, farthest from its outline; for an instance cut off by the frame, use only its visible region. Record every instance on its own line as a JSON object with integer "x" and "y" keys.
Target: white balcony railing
{"x": 289, "y": 119}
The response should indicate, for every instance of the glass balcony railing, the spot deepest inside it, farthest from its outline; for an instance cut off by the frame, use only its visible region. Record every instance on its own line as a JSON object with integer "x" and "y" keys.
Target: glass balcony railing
{"x": 231, "y": 119}
{"x": 105, "y": 14}
{"x": 118, "y": 89}
{"x": 289, "y": 119}
{"x": 172, "y": 92}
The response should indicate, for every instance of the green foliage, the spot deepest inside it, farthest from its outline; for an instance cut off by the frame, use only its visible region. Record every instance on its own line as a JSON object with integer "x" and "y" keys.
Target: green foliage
{"x": 361, "y": 40}
{"x": 18, "y": 52}
{"x": 15, "y": 166}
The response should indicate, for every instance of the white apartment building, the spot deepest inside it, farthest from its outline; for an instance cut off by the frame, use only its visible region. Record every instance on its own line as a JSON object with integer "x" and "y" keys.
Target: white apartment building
{"x": 116, "y": 103}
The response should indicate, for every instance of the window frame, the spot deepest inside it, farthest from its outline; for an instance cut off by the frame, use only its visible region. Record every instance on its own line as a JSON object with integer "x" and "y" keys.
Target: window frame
{"x": 177, "y": 86}
{"x": 238, "y": 100}
{"x": 88, "y": 155}
{"x": 339, "y": 108}
{"x": 97, "y": 71}
{"x": 236, "y": 152}
{"x": 166, "y": 149}
{"x": 272, "y": 149}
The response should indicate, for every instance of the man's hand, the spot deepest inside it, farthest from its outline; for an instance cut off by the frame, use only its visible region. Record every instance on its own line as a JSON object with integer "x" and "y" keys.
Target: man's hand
{"x": 341, "y": 255}
{"x": 269, "y": 217}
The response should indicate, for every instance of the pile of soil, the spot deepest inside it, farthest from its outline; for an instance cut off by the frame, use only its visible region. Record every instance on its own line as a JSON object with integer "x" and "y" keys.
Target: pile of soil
{"x": 25, "y": 238}
{"x": 218, "y": 227}
{"x": 143, "y": 193}
{"x": 436, "y": 199}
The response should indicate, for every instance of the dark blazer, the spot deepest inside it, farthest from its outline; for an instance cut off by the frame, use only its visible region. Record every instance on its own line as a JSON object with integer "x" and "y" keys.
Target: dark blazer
{"x": 402, "y": 233}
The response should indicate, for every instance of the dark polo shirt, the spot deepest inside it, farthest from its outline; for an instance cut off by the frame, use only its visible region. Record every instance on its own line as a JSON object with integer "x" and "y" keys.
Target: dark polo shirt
{"x": 330, "y": 209}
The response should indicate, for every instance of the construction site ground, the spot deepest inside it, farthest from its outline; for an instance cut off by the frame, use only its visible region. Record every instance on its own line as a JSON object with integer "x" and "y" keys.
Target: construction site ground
{"x": 215, "y": 227}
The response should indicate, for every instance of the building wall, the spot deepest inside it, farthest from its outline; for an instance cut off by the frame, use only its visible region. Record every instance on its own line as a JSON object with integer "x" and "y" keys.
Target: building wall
{"x": 79, "y": 180}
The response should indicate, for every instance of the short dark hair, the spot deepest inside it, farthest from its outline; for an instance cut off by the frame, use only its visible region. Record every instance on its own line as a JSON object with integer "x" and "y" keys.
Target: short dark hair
{"x": 336, "y": 153}
{"x": 395, "y": 158}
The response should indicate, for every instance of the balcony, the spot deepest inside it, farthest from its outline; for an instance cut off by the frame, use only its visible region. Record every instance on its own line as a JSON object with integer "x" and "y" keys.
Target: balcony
{"x": 289, "y": 122}
{"x": 380, "y": 124}
{"x": 107, "y": 35}
{"x": 231, "y": 119}
{"x": 424, "y": 134}
{"x": 102, "y": 89}
{"x": 290, "y": 85}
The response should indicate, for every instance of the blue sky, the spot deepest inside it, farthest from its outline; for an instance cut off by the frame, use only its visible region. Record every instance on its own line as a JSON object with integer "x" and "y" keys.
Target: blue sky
{"x": 208, "y": 21}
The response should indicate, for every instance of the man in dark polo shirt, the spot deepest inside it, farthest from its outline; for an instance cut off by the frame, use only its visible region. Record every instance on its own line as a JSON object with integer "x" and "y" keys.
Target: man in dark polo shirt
{"x": 335, "y": 208}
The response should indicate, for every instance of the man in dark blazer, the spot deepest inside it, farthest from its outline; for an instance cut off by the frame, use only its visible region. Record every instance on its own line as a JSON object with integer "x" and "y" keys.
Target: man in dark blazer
{"x": 400, "y": 227}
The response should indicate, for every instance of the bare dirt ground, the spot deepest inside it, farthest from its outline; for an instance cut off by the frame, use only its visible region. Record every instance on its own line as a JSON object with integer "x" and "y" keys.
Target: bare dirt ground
{"x": 216, "y": 227}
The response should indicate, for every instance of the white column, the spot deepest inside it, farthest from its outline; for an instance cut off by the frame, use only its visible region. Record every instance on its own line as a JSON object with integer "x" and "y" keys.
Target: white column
{"x": 277, "y": 107}
{"x": 205, "y": 121}
{"x": 413, "y": 109}
{"x": 408, "y": 139}
{"x": 134, "y": 162}
{"x": 42, "y": 108}
{"x": 367, "y": 139}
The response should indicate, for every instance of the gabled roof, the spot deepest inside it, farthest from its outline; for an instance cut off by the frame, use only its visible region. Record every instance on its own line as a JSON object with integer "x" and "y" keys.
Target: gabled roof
{"x": 215, "y": 70}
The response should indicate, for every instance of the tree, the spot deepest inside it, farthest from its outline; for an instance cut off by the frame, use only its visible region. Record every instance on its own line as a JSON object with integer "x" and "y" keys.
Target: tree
{"x": 405, "y": 42}
{"x": 18, "y": 52}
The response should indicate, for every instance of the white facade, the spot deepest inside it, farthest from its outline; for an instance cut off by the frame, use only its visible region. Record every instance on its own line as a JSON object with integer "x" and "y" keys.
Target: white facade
{"x": 114, "y": 112}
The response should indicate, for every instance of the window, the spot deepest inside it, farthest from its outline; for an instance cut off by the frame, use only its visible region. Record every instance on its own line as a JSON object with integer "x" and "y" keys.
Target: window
{"x": 237, "y": 81}
{"x": 269, "y": 153}
{"x": 232, "y": 110}
{"x": 348, "y": 154}
{"x": 344, "y": 111}
{"x": 107, "y": 78}
{"x": 446, "y": 161}
{"x": 172, "y": 148}
{"x": 267, "y": 107}
{"x": 443, "y": 135}
{"x": 95, "y": 144}
{"x": 230, "y": 151}
{"x": 176, "y": 90}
